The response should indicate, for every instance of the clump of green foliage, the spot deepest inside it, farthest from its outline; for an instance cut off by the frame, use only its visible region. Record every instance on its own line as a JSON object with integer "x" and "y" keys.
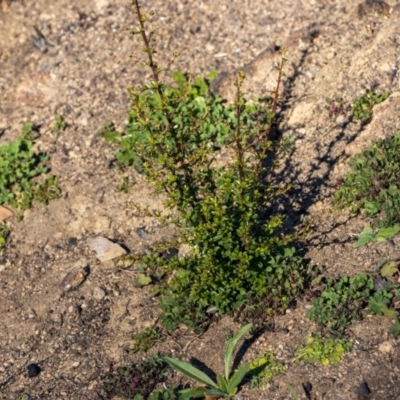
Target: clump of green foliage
{"x": 373, "y": 184}
{"x": 368, "y": 235}
{"x": 323, "y": 350}
{"x": 19, "y": 169}
{"x": 362, "y": 107}
{"x": 227, "y": 385}
{"x": 140, "y": 379}
{"x": 264, "y": 367}
{"x": 239, "y": 255}
{"x": 146, "y": 340}
{"x": 343, "y": 300}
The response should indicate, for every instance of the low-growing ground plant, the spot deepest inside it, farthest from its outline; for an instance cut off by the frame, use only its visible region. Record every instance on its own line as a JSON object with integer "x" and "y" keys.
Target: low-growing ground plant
{"x": 265, "y": 367}
{"x": 372, "y": 186}
{"x": 20, "y": 173}
{"x": 146, "y": 340}
{"x": 139, "y": 381}
{"x": 227, "y": 385}
{"x": 343, "y": 300}
{"x": 239, "y": 257}
{"x": 323, "y": 350}
{"x": 363, "y": 107}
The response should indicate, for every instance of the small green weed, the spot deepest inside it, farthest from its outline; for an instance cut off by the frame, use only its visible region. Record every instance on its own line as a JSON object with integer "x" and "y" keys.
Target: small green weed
{"x": 125, "y": 185}
{"x": 373, "y": 184}
{"x": 140, "y": 379}
{"x": 145, "y": 340}
{"x": 59, "y": 123}
{"x": 19, "y": 165}
{"x": 265, "y": 368}
{"x": 362, "y": 108}
{"x": 239, "y": 257}
{"x": 323, "y": 350}
{"x": 227, "y": 385}
{"x": 344, "y": 300}
{"x": 368, "y": 235}
{"x": 341, "y": 301}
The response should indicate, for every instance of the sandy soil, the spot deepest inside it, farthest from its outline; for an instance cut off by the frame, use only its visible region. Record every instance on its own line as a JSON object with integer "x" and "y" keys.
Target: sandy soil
{"x": 72, "y": 58}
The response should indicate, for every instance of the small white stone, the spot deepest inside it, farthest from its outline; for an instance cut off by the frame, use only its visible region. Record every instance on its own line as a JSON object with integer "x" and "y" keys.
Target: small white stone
{"x": 105, "y": 249}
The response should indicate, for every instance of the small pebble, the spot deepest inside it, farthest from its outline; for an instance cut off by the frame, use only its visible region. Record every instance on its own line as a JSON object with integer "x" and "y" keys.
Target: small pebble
{"x": 99, "y": 293}
{"x": 363, "y": 390}
{"x": 74, "y": 278}
{"x": 33, "y": 370}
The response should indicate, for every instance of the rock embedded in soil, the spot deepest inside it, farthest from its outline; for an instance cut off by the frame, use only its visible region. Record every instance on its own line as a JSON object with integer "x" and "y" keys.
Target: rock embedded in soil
{"x": 33, "y": 370}
{"x": 105, "y": 249}
{"x": 74, "y": 279}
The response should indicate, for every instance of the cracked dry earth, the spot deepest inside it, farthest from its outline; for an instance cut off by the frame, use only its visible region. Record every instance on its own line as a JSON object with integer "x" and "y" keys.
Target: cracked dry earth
{"x": 72, "y": 58}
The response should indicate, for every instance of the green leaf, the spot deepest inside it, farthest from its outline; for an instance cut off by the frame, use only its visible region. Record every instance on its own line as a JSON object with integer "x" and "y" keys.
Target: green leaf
{"x": 187, "y": 394}
{"x": 222, "y": 383}
{"x": 142, "y": 280}
{"x": 365, "y": 237}
{"x": 237, "y": 378}
{"x": 231, "y": 346}
{"x": 389, "y": 269}
{"x": 386, "y": 233}
{"x": 215, "y": 393}
{"x": 191, "y": 371}
{"x": 362, "y": 241}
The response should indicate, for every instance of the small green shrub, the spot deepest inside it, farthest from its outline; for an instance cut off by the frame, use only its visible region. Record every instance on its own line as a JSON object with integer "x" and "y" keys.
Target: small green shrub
{"x": 373, "y": 184}
{"x": 140, "y": 379}
{"x": 19, "y": 165}
{"x": 362, "y": 108}
{"x": 323, "y": 350}
{"x": 146, "y": 340}
{"x": 239, "y": 256}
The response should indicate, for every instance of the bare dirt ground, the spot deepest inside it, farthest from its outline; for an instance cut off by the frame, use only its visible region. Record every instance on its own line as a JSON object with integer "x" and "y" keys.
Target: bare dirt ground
{"x": 72, "y": 58}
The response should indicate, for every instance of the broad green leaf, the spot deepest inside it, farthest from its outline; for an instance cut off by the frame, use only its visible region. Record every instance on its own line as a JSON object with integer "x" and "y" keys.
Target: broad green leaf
{"x": 190, "y": 393}
{"x": 231, "y": 346}
{"x": 222, "y": 383}
{"x": 363, "y": 240}
{"x": 215, "y": 393}
{"x": 191, "y": 371}
{"x": 386, "y": 233}
{"x": 237, "y": 378}
{"x": 389, "y": 269}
